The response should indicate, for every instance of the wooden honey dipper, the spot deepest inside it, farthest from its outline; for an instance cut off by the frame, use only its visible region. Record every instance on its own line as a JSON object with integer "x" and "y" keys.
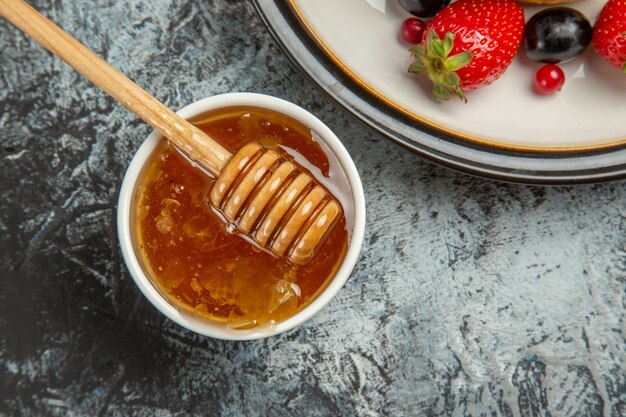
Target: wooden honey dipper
{"x": 270, "y": 199}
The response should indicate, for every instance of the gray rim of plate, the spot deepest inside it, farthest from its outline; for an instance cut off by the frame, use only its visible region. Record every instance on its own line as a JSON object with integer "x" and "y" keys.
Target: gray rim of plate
{"x": 457, "y": 153}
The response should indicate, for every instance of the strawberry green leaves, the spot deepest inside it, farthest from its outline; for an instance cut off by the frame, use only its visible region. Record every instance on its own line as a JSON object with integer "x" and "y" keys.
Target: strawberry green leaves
{"x": 624, "y": 66}
{"x": 432, "y": 59}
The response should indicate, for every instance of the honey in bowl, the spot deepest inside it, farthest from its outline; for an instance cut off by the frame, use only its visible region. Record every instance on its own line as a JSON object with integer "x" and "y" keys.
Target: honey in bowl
{"x": 202, "y": 265}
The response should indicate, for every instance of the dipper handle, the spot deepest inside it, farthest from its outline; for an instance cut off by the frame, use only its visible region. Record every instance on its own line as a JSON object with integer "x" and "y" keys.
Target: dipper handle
{"x": 188, "y": 138}
{"x": 268, "y": 198}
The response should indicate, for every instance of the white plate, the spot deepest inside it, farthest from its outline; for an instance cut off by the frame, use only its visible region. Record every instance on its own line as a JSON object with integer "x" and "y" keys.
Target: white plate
{"x": 505, "y": 130}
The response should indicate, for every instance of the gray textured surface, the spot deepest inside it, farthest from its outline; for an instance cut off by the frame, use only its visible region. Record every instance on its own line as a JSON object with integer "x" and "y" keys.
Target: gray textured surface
{"x": 470, "y": 297}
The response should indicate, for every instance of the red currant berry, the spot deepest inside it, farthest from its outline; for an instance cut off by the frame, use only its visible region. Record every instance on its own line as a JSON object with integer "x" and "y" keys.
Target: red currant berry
{"x": 411, "y": 30}
{"x": 549, "y": 79}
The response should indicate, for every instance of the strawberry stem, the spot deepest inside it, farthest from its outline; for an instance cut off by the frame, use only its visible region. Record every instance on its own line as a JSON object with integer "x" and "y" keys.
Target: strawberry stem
{"x": 433, "y": 60}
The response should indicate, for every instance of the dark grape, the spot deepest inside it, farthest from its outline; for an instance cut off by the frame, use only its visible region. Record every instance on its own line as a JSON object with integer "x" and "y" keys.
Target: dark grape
{"x": 556, "y": 35}
{"x": 423, "y": 8}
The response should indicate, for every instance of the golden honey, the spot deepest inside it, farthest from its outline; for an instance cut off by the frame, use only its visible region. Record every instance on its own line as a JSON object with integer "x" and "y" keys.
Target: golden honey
{"x": 199, "y": 263}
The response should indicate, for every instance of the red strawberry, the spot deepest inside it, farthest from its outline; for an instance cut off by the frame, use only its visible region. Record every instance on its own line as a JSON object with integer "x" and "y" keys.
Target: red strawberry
{"x": 609, "y": 33}
{"x": 480, "y": 39}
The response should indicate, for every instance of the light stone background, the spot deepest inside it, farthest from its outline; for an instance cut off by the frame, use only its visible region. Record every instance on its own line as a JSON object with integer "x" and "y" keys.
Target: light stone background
{"x": 470, "y": 298}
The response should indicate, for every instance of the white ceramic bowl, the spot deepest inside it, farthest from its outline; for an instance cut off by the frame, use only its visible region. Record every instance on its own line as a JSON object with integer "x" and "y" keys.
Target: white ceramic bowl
{"x": 203, "y": 326}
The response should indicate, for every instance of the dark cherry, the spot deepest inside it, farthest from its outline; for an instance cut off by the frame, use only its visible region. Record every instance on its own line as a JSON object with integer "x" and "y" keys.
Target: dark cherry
{"x": 423, "y": 8}
{"x": 557, "y": 34}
